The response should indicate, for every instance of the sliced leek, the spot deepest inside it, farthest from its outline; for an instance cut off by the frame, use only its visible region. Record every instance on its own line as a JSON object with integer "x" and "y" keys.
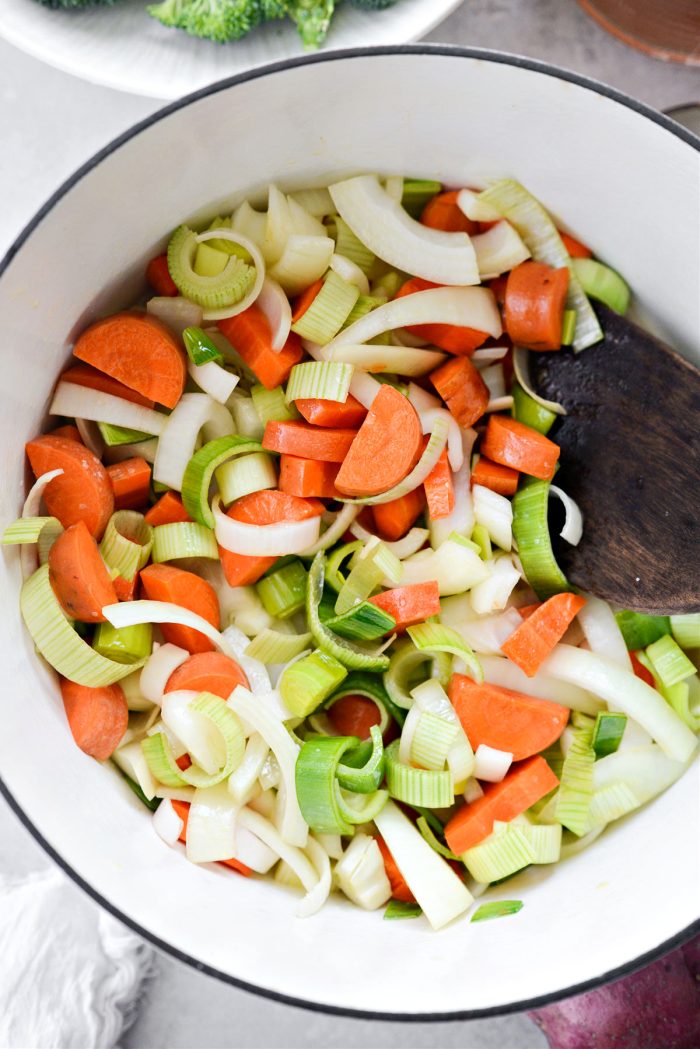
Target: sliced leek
{"x": 200, "y": 470}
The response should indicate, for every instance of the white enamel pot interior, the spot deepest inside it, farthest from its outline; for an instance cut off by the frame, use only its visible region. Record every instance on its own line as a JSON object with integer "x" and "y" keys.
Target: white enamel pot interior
{"x": 618, "y": 175}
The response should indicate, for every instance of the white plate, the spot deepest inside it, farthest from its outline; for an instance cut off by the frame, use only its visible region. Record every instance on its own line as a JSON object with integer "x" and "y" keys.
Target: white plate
{"x": 124, "y": 48}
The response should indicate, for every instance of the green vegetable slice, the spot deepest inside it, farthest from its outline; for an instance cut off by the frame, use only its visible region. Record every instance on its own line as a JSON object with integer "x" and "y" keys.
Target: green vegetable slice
{"x": 351, "y": 656}
{"x": 200, "y": 470}
{"x": 325, "y": 809}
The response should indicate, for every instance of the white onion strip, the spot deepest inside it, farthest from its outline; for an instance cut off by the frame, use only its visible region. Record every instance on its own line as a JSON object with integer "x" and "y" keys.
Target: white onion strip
{"x": 270, "y": 836}
{"x": 273, "y": 540}
{"x": 401, "y": 548}
{"x": 176, "y": 312}
{"x": 455, "y": 450}
{"x": 471, "y": 205}
{"x": 350, "y": 272}
{"x": 334, "y": 532}
{"x": 498, "y": 250}
{"x": 213, "y": 379}
{"x": 403, "y": 360}
{"x": 573, "y": 521}
{"x": 92, "y": 438}
{"x": 256, "y": 672}
{"x": 258, "y": 261}
{"x": 601, "y": 631}
{"x": 28, "y": 552}
{"x": 522, "y": 374}
{"x": 273, "y": 302}
{"x": 364, "y": 388}
{"x": 316, "y": 897}
{"x": 82, "y": 402}
{"x": 166, "y": 822}
{"x": 179, "y": 436}
{"x": 162, "y": 662}
{"x": 133, "y": 613}
{"x": 489, "y": 354}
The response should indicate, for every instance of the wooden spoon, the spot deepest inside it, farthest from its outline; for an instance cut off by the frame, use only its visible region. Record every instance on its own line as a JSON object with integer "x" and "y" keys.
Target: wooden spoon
{"x": 630, "y": 457}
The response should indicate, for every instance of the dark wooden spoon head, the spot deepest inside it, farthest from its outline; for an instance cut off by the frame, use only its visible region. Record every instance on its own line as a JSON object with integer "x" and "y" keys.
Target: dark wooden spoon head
{"x": 630, "y": 457}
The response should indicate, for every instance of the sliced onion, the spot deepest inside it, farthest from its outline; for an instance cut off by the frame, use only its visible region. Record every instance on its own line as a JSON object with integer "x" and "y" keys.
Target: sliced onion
{"x": 493, "y": 594}
{"x": 499, "y": 404}
{"x": 470, "y": 204}
{"x": 317, "y": 201}
{"x": 214, "y": 380}
{"x": 81, "y": 402}
{"x": 219, "y": 423}
{"x": 250, "y": 223}
{"x": 335, "y": 530}
{"x": 133, "y": 613}
{"x": 499, "y": 671}
{"x": 302, "y": 221}
{"x": 499, "y": 250}
{"x": 495, "y": 380}
{"x": 364, "y": 388}
{"x": 270, "y": 836}
{"x": 273, "y": 540}
{"x": 521, "y": 368}
{"x": 408, "y": 732}
{"x": 305, "y": 260}
{"x": 316, "y": 897}
{"x": 253, "y": 852}
{"x": 393, "y": 187}
{"x": 464, "y": 307}
{"x": 489, "y": 354}
{"x": 401, "y": 360}
{"x": 473, "y": 791}
{"x": 254, "y": 670}
{"x": 92, "y": 438}
{"x": 491, "y": 764}
{"x": 421, "y": 399}
{"x": 166, "y": 823}
{"x": 278, "y": 226}
{"x": 573, "y": 521}
{"x": 163, "y": 661}
{"x": 175, "y": 312}
{"x": 601, "y": 631}
{"x": 483, "y": 633}
{"x": 382, "y": 224}
{"x": 350, "y": 272}
{"x": 455, "y": 450}
{"x": 244, "y": 242}
{"x": 179, "y": 437}
{"x": 28, "y": 555}
{"x": 275, "y": 305}
{"x": 404, "y": 337}
{"x": 401, "y": 548}
{"x": 198, "y": 734}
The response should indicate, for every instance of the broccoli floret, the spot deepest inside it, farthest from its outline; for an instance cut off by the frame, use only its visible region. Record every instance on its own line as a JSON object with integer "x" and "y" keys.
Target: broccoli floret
{"x": 220, "y": 20}
{"x": 312, "y": 18}
{"x": 64, "y": 4}
{"x": 372, "y": 5}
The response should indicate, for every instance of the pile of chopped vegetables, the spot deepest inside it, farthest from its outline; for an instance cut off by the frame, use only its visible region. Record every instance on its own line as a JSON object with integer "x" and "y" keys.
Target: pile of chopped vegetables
{"x": 294, "y": 567}
{"x": 225, "y": 20}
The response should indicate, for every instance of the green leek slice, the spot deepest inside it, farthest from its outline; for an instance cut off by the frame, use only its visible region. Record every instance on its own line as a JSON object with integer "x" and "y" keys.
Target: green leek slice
{"x": 115, "y": 436}
{"x": 686, "y": 630}
{"x": 608, "y": 731}
{"x": 504, "y": 852}
{"x": 200, "y": 347}
{"x": 640, "y": 630}
{"x": 322, "y": 804}
{"x": 183, "y": 539}
{"x": 398, "y": 909}
{"x": 358, "y": 683}
{"x": 245, "y": 475}
{"x": 405, "y": 661}
{"x": 271, "y": 647}
{"x": 433, "y": 841}
{"x": 429, "y": 789}
{"x": 272, "y": 405}
{"x": 131, "y": 645}
{"x": 200, "y": 470}
{"x": 496, "y": 909}
{"x": 161, "y": 761}
{"x": 127, "y": 543}
{"x": 531, "y": 533}
{"x": 366, "y": 777}
{"x": 283, "y": 592}
{"x": 364, "y": 622}
{"x": 305, "y": 684}
{"x": 347, "y": 244}
{"x": 434, "y": 637}
{"x": 31, "y": 530}
{"x": 670, "y": 663}
{"x": 528, "y": 411}
{"x": 417, "y": 192}
{"x": 603, "y": 284}
{"x": 351, "y": 656}
{"x": 576, "y": 785}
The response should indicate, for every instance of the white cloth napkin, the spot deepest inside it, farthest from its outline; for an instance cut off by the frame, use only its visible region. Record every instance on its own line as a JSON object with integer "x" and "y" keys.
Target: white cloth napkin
{"x": 70, "y": 974}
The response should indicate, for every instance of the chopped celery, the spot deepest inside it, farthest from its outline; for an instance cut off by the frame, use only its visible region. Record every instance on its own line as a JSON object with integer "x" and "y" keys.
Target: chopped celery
{"x": 576, "y": 785}
{"x": 272, "y": 406}
{"x": 229, "y": 286}
{"x": 502, "y": 853}
{"x": 325, "y": 808}
{"x": 427, "y": 788}
{"x": 268, "y": 646}
{"x": 364, "y": 305}
{"x": 669, "y": 661}
{"x": 327, "y": 380}
{"x": 603, "y": 284}
{"x": 183, "y": 539}
{"x": 351, "y": 247}
{"x": 200, "y": 347}
{"x": 608, "y": 732}
{"x": 528, "y": 411}
{"x": 483, "y": 540}
{"x": 246, "y": 474}
{"x": 350, "y": 655}
{"x": 127, "y": 644}
{"x": 432, "y": 739}
{"x": 284, "y": 592}
{"x": 640, "y": 630}
{"x": 329, "y": 310}
{"x": 200, "y": 469}
{"x": 531, "y": 533}
{"x": 686, "y": 630}
{"x": 114, "y": 436}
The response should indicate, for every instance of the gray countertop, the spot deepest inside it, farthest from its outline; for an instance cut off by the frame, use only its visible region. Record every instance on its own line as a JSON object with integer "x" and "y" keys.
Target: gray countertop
{"x": 49, "y": 124}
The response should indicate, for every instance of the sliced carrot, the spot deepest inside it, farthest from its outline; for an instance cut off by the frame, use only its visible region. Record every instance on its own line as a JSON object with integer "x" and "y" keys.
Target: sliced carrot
{"x": 84, "y": 375}
{"x": 302, "y": 302}
{"x": 535, "y": 302}
{"x": 443, "y": 212}
{"x": 70, "y": 432}
{"x": 525, "y": 611}
{"x": 512, "y": 443}
{"x": 308, "y": 477}
{"x": 208, "y": 672}
{"x": 140, "y": 352}
{"x": 354, "y": 716}
{"x": 506, "y": 720}
{"x": 349, "y": 414}
{"x": 439, "y": 489}
{"x": 392, "y": 520}
{"x": 131, "y": 483}
{"x": 641, "y": 671}
{"x": 575, "y": 248}
{"x": 98, "y": 717}
{"x": 250, "y": 335}
{"x": 524, "y": 784}
{"x": 308, "y": 442}
{"x": 531, "y": 642}
{"x": 410, "y": 604}
{"x": 183, "y": 810}
{"x": 399, "y": 885}
{"x": 165, "y": 583}
{"x": 501, "y": 479}
{"x": 82, "y": 492}
{"x": 79, "y": 576}
{"x": 450, "y": 337}
{"x": 261, "y": 508}
{"x": 168, "y": 510}
{"x": 158, "y": 276}
{"x": 125, "y": 589}
{"x": 183, "y": 762}
{"x": 387, "y": 446}
{"x": 462, "y": 389}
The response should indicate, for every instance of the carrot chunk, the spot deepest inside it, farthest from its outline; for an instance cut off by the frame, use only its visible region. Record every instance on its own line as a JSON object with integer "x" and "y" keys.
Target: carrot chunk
{"x": 308, "y": 477}
{"x": 168, "y": 510}
{"x": 97, "y": 717}
{"x": 250, "y": 335}
{"x": 535, "y": 301}
{"x": 131, "y": 483}
{"x": 85, "y": 375}
{"x": 387, "y": 446}
{"x": 501, "y": 479}
{"x": 82, "y": 492}
{"x": 451, "y": 337}
{"x": 409, "y": 604}
{"x": 349, "y": 414}
{"x": 531, "y": 642}
{"x": 506, "y": 720}
{"x": 308, "y": 442}
{"x": 393, "y": 519}
{"x": 70, "y": 432}
{"x": 207, "y": 672}
{"x": 165, "y": 583}
{"x": 439, "y": 489}
{"x": 158, "y": 276}
{"x": 462, "y": 389}
{"x": 524, "y": 784}
{"x": 512, "y": 443}
{"x": 443, "y": 212}
{"x": 354, "y": 716}
{"x": 399, "y": 885}
{"x": 140, "y": 352}
{"x": 79, "y": 576}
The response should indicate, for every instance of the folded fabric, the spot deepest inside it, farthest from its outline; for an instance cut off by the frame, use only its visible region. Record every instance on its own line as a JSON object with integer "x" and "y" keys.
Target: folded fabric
{"x": 70, "y": 974}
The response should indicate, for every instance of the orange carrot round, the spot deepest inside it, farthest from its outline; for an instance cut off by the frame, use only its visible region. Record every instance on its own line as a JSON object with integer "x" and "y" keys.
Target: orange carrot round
{"x": 131, "y": 483}
{"x": 349, "y": 414}
{"x": 442, "y": 212}
{"x": 207, "y": 672}
{"x": 84, "y": 375}
{"x": 79, "y": 576}
{"x": 531, "y": 642}
{"x": 98, "y": 717}
{"x": 497, "y": 717}
{"x": 308, "y": 442}
{"x": 308, "y": 477}
{"x": 410, "y": 604}
{"x": 501, "y": 479}
{"x": 70, "y": 432}
{"x": 462, "y": 389}
{"x": 138, "y": 351}
{"x": 451, "y": 337}
{"x": 168, "y": 510}
{"x": 165, "y": 583}
{"x": 354, "y": 716}
{"x": 393, "y": 519}
{"x": 534, "y": 308}
{"x": 399, "y": 885}
{"x": 512, "y": 443}
{"x": 82, "y": 492}
{"x": 387, "y": 446}
{"x": 249, "y": 333}
{"x": 158, "y": 276}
